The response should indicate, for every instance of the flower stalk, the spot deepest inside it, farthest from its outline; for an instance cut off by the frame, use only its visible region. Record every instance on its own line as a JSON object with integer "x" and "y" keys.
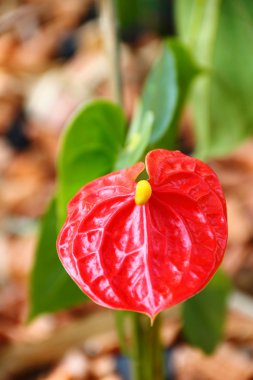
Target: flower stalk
{"x": 147, "y": 351}
{"x": 109, "y": 27}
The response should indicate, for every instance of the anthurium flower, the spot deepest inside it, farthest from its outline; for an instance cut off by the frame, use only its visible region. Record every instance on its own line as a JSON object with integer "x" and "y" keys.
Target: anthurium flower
{"x": 149, "y": 245}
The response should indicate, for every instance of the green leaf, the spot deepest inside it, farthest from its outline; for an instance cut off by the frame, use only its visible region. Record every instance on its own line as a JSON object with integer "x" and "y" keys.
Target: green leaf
{"x": 166, "y": 90}
{"x": 51, "y": 289}
{"x": 89, "y": 148}
{"x": 204, "y": 314}
{"x": 219, "y": 34}
{"x": 155, "y": 121}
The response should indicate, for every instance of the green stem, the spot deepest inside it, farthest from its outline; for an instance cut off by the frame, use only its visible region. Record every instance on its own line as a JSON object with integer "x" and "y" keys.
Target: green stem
{"x": 120, "y": 319}
{"x": 109, "y": 26}
{"x": 156, "y": 351}
{"x": 147, "y": 353}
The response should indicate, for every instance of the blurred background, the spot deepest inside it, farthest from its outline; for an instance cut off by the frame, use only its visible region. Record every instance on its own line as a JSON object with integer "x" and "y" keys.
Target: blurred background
{"x": 53, "y": 58}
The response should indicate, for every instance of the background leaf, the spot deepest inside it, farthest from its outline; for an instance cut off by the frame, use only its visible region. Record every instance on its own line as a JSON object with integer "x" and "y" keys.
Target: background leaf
{"x": 51, "y": 289}
{"x": 89, "y": 149}
{"x": 155, "y": 122}
{"x": 204, "y": 314}
{"x": 166, "y": 90}
{"x": 219, "y": 34}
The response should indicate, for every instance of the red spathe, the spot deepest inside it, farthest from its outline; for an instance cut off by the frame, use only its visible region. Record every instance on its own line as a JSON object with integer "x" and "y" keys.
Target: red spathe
{"x": 150, "y": 257}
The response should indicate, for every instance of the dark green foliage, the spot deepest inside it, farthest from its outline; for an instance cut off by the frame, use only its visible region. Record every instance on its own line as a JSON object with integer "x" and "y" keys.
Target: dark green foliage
{"x": 51, "y": 289}
{"x": 219, "y": 34}
{"x": 155, "y": 122}
{"x": 89, "y": 149}
{"x": 204, "y": 314}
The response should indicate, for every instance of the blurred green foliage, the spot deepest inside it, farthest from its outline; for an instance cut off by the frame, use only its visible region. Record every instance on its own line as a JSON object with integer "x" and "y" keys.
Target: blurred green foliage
{"x": 89, "y": 148}
{"x": 219, "y": 33}
{"x": 155, "y": 121}
{"x": 50, "y": 288}
{"x": 204, "y": 315}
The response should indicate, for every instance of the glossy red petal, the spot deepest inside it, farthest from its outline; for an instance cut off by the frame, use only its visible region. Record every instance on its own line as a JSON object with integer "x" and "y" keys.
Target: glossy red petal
{"x": 191, "y": 190}
{"x": 119, "y": 184}
{"x": 146, "y": 258}
{"x": 162, "y": 165}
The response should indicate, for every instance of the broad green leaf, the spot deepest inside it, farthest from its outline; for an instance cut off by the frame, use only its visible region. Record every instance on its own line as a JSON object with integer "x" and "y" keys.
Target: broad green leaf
{"x": 51, "y": 289}
{"x": 166, "y": 90}
{"x": 204, "y": 314}
{"x": 89, "y": 148}
{"x": 219, "y": 34}
{"x": 155, "y": 121}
